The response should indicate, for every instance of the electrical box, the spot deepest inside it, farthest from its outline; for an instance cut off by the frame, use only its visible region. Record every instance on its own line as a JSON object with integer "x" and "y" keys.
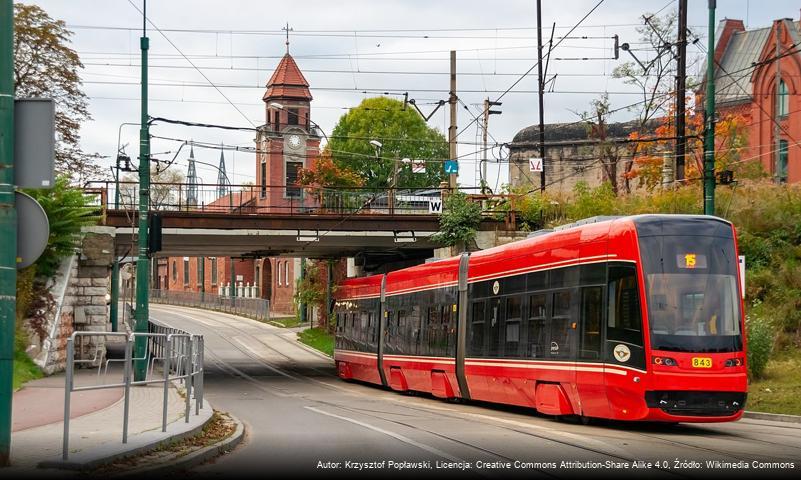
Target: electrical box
{"x": 34, "y": 142}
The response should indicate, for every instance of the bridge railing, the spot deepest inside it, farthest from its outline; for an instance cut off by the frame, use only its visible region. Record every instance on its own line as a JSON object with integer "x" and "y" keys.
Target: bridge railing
{"x": 255, "y": 308}
{"x": 282, "y": 199}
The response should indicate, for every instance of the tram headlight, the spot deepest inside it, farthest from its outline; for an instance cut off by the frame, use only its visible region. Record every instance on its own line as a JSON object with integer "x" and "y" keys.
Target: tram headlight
{"x": 666, "y": 361}
{"x": 734, "y": 362}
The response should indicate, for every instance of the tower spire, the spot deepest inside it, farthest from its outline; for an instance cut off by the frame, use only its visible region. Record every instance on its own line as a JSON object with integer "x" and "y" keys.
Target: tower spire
{"x": 223, "y": 185}
{"x": 191, "y": 179}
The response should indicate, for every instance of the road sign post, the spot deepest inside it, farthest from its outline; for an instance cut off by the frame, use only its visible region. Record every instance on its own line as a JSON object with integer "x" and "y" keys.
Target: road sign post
{"x": 8, "y": 227}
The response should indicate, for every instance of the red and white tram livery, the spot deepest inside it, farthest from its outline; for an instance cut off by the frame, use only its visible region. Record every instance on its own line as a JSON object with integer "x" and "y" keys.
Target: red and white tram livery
{"x": 630, "y": 318}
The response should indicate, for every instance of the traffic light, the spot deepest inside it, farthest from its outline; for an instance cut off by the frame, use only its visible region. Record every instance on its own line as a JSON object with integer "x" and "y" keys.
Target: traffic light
{"x": 154, "y": 237}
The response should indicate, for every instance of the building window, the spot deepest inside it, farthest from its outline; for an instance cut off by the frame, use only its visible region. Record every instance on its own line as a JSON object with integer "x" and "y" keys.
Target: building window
{"x": 263, "y": 179}
{"x": 200, "y": 270}
{"x": 213, "y": 270}
{"x": 257, "y": 276}
{"x": 292, "y": 170}
{"x": 292, "y": 116}
{"x": 286, "y": 273}
{"x": 783, "y": 100}
{"x": 280, "y": 263}
{"x": 186, "y": 271}
{"x": 781, "y": 168}
{"x": 174, "y": 271}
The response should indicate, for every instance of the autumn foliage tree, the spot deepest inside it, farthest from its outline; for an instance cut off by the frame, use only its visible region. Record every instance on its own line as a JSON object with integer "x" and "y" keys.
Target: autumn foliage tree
{"x": 46, "y": 66}
{"x": 648, "y": 156}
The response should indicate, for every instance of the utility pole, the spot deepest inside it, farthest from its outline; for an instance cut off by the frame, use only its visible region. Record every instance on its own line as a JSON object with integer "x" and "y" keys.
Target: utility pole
{"x": 142, "y": 260}
{"x": 452, "y": 153}
{"x": 484, "y": 147}
{"x": 681, "y": 87}
{"x": 541, "y": 92}
{"x": 485, "y": 124}
{"x": 8, "y": 227}
{"x": 709, "y": 118}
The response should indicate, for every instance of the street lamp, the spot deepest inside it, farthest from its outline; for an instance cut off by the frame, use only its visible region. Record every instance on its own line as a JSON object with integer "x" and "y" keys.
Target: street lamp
{"x": 120, "y": 158}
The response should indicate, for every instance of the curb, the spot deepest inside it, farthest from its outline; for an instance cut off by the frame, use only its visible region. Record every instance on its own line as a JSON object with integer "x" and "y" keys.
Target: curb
{"x": 195, "y": 458}
{"x": 137, "y": 444}
{"x": 773, "y": 417}
{"x": 312, "y": 350}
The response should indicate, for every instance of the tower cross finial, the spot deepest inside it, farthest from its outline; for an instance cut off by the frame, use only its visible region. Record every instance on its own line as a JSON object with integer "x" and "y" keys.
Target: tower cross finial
{"x": 287, "y": 30}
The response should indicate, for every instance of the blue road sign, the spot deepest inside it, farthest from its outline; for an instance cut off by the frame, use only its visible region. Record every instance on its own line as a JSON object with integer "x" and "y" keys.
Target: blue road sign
{"x": 451, "y": 166}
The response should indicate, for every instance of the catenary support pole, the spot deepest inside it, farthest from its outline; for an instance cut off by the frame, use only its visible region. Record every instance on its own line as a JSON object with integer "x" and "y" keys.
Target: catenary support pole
{"x": 8, "y": 227}
{"x": 115, "y": 294}
{"x": 142, "y": 260}
{"x": 541, "y": 94}
{"x": 709, "y": 118}
{"x": 452, "y": 98}
{"x": 681, "y": 88}
{"x": 303, "y": 313}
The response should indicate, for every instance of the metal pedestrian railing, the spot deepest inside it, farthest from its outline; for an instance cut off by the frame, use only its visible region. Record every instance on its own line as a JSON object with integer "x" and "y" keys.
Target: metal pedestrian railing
{"x": 180, "y": 354}
{"x": 256, "y": 308}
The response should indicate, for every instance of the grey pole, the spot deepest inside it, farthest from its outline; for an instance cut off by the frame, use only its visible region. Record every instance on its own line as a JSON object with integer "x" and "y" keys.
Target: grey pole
{"x": 67, "y": 394}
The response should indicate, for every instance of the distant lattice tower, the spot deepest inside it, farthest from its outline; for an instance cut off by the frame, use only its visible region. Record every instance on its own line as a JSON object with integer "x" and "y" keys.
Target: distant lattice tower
{"x": 191, "y": 180}
{"x": 223, "y": 185}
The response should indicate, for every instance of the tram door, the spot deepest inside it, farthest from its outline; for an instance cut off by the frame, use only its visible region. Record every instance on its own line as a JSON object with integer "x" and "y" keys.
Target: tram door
{"x": 590, "y": 381}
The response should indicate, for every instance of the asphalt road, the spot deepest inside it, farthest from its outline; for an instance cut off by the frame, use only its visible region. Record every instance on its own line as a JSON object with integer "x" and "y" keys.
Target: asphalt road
{"x": 300, "y": 418}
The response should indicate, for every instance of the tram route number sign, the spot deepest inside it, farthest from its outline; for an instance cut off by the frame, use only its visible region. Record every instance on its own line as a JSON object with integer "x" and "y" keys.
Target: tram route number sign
{"x": 534, "y": 164}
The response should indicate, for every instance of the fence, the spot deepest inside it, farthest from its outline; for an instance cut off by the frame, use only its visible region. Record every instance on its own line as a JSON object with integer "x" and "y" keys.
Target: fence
{"x": 180, "y": 353}
{"x": 255, "y": 308}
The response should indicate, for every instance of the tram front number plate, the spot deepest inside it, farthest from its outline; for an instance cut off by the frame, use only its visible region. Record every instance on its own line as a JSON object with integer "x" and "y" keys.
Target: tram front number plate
{"x": 702, "y": 362}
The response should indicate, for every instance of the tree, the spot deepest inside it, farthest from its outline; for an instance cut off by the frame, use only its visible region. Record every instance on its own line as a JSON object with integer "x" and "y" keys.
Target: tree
{"x": 325, "y": 173}
{"x": 164, "y": 189}
{"x": 608, "y": 153}
{"x": 653, "y": 77}
{"x": 45, "y": 66}
{"x": 402, "y": 132}
{"x": 731, "y": 140}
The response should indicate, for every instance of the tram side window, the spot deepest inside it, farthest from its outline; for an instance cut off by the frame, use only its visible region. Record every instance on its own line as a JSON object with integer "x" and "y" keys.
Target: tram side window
{"x": 514, "y": 307}
{"x": 624, "y": 320}
{"x": 537, "y": 335}
{"x": 477, "y": 330}
{"x": 449, "y": 329}
{"x": 591, "y": 302}
{"x": 415, "y": 318}
{"x": 495, "y": 314}
{"x": 561, "y": 324}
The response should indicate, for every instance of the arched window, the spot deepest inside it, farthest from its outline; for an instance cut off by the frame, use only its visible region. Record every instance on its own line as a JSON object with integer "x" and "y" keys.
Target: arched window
{"x": 174, "y": 271}
{"x": 280, "y": 263}
{"x": 782, "y": 100}
{"x": 286, "y": 273}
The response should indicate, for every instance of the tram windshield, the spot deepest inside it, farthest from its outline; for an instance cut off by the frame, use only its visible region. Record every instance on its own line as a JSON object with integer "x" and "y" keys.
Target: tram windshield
{"x": 691, "y": 289}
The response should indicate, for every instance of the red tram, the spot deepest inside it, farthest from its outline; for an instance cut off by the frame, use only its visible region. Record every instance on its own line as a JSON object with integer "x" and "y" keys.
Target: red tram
{"x": 630, "y": 318}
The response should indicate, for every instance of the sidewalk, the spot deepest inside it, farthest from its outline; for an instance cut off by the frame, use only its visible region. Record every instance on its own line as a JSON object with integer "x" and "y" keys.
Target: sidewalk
{"x": 96, "y": 421}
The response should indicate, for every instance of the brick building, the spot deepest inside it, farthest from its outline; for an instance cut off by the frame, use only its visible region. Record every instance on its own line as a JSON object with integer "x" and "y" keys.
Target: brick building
{"x": 758, "y": 76}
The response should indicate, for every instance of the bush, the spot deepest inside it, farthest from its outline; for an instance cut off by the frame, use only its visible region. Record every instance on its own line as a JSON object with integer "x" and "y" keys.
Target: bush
{"x": 760, "y": 344}
{"x": 459, "y": 221}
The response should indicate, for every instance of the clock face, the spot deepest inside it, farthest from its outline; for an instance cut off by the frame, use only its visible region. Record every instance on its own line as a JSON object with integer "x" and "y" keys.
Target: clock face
{"x": 294, "y": 141}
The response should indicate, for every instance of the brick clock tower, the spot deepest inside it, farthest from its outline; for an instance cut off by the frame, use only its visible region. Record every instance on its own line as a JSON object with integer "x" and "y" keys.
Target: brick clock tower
{"x": 286, "y": 142}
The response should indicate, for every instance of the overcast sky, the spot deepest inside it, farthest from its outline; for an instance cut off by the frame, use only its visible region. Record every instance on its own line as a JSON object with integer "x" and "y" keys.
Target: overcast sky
{"x": 347, "y": 47}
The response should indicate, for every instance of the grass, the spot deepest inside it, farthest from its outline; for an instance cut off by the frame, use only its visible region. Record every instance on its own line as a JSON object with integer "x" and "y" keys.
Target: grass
{"x": 24, "y": 368}
{"x": 318, "y": 338}
{"x": 286, "y": 322}
{"x": 779, "y": 389}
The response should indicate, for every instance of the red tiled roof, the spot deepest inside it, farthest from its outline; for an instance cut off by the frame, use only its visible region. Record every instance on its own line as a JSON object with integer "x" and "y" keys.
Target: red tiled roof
{"x": 288, "y": 81}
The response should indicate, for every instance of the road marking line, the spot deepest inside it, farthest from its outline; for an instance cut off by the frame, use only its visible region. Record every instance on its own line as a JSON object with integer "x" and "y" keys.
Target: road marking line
{"x": 394, "y": 435}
